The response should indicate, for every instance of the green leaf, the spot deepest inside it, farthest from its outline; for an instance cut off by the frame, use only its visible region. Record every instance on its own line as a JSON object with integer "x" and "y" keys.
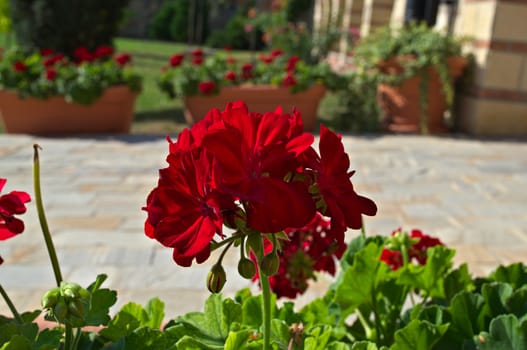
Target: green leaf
{"x": 155, "y": 310}
{"x": 496, "y": 295}
{"x": 192, "y": 343}
{"x": 252, "y": 311}
{"x": 505, "y": 334}
{"x": 239, "y": 340}
{"x": 121, "y": 325}
{"x": 465, "y": 310}
{"x": 360, "y": 280}
{"x": 48, "y": 339}
{"x": 364, "y": 345}
{"x": 280, "y": 334}
{"x": 430, "y": 277}
{"x": 17, "y": 342}
{"x": 418, "y": 335}
{"x": 456, "y": 281}
{"x": 514, "y": 274}
{"x": 517, "y": 303}
{"x": 101, "y": 301}
{"x": 317, "y": 338}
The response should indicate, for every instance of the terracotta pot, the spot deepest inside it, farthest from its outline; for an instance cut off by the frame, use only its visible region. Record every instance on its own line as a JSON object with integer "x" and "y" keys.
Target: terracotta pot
{"x": 111, "y": 113}
{"x": 259, "y": 98}
{"x": 400, "y": 103}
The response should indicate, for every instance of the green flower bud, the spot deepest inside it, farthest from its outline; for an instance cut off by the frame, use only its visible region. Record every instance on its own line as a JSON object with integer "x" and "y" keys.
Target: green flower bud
{"x": 246, "y": 268}
{"x": 60, "y": 311}
{"x": 216, "y": 279}
{"x": 76, "y": 308}
{"x": 270, "y": 264}
{"x": 254, "y": 242}
{"x": 70, "y": 290}
{"x": 50, "y": 298}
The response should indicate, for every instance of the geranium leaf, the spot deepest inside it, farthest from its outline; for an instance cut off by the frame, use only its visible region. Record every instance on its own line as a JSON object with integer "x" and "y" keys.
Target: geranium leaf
{"x": 517, "y": 303}
{"x": 364, "y": 345}
{"x": 496, "y": 295}
{"x": 514, "y": 274}
{"x": 252, "y": 311}
{"x": 280, "y": 334}
{"x": 318, "y": 338}
{"x": 240, "y": 341}
{"x": 429, "y": 277}
{"x": 101, "y": 301}
{"x": 193, "y": 343}
{"x": 120, "y": 326}
{"x": 466, "y": 309}
{"x": 17, "y": 342}
{"x": 456, "y": 281}
{"x": 418, "y": 335}
{"x": 155, "y": 310}
{"x": 359, "y": 281}
{"x": 48, "y": 339}
{"x": 505, "y": 333}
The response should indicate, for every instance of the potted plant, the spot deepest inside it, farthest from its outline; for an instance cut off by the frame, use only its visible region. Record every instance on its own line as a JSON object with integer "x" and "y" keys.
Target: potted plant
{"x": 417, "y": 67}
{"x": 211, "y": 80}
{"x": 46, "y": 92}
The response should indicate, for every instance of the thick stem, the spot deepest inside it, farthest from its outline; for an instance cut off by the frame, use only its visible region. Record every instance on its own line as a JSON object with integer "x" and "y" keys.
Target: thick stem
{"x": 266, "y": 301}
{"x": 11, "y": 305}
{"x": 42, "y": 217}
{"x": 68, "y": 338}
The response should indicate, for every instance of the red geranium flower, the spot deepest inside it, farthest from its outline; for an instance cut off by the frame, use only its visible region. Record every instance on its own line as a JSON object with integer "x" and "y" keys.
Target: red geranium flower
{"x": 51, "y": 74}
{"x": 82, "y": 54}
{"x": 197, "y": 53}
{"x": 418, "y": 250}
{"x": 266, "y": 59}
{"x": 247, "y": 71}
{"x": 338, "y": 197}
{"x": 46, "y": 52}
{"x": 230, "y": 75}
{"x": 103, "y": 51}
{"x": 277, "y": 52}
{"x": 207, "y": 87}
{"x": 197, "y": 61}
{"x": 19, "y": 67}
{"x": 253, "y": 154}
{"x": 123, "y": 59}
{"x": 394, "y": 259}
{"x": 231, "y": 60}
{"x": 184, "y": 210}
{"x": 176, "y": 60}
{"x": 289, "y": 80}
{"x": 11, "y": 204}
{"x": 291, "y": 63}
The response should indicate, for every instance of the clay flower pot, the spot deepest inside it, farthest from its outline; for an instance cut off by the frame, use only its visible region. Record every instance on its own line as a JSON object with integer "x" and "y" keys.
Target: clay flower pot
{"x": 111, "y": 113}
{"x": 400, "y": 103}
{"x": 259, "y": 98}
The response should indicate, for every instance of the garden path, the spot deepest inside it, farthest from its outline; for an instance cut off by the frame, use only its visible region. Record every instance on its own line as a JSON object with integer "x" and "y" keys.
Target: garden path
{"x": 471, "y": 193}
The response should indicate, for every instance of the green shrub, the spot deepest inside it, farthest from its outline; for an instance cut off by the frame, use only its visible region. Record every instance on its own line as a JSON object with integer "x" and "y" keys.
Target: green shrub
{"x": 354, "y": 107}
{"x": 160, "y": 26}
{"x": 67, "y": 24}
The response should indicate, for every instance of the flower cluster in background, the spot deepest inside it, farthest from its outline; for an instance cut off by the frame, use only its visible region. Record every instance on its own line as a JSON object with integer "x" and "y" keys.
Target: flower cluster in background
{"x": 80, "y": 79}
{"x": 307, "y": 250}
{"x": 415, "y": 245}
{"x": 11, "y": 204}
{"x": 198, "y": 73}
{"x": 236, "y": 168}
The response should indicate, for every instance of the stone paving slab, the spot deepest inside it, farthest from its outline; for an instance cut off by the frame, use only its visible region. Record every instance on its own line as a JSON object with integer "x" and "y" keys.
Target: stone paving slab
{"x": 471, "y": 193}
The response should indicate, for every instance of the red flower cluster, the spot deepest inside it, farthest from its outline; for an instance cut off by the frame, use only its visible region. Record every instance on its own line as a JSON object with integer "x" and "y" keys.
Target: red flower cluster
{"x": 207, "y": 87}
{"x": 11, "y": 204}
{"x": 312, "y": 248}
{"x": 123, "y": 59}
{"x": 19, "y": 67}
{"x": 176, "y": 60}
{"x": 236, "y": 160}
{"x": 417, "y": 251}
{"x": 82, "y": 54}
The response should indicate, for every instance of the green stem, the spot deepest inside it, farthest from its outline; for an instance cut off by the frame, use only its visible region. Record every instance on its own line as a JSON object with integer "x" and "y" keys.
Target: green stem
{"x": 42, "y": 217}
{"x": 230, "y": 240}
{"x": 365, "y": 324}
{"x": 363, "y": 228}
{"x": 77, "y": 338}
{"x": 266, "y": 301}
{"x": 68, "y": 338}
{"x": 11, "y": 306}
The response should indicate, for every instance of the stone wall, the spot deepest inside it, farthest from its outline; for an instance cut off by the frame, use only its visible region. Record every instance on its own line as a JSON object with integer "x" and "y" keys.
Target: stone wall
{"x": 496, "y": 103}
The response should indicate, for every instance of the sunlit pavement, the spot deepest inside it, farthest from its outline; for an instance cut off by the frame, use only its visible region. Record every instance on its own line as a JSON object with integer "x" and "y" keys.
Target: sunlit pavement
{"x": 471, "y": 193}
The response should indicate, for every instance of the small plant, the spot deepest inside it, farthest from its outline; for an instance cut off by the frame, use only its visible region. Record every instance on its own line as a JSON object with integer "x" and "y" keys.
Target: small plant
{"x": 397, "y": 55}
{"x": 80, "y": 79}
{"x": 198, "y": 73}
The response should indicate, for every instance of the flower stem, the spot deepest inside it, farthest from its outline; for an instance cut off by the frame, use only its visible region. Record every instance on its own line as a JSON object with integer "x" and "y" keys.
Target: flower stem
{"x": 266, "y": 301}
{"x": 11, "y": 306}
{"x": 362, "y": 228}
{"x": 68, "y": 338}
{"x": 42, "y": 217}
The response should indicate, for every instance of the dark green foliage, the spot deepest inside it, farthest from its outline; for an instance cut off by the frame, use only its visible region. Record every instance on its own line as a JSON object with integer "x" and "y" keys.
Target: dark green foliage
{"x": 234, "y": 35}
{"x": 181, "y": 21}
{"x": 296, "y": 8}
{"x": 64, "y": 25}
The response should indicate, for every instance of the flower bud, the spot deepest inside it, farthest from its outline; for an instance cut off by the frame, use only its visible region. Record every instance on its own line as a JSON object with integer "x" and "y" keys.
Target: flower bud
{"x": 246, "y": 268}
{"x": 50, "y": 298}
{"x": 60, "y": 311}
{"x": 216, "y": 279}
{"x": 270, "y": 264}
{"x": 76, "y": 308}
{"x": 70, "y": 290}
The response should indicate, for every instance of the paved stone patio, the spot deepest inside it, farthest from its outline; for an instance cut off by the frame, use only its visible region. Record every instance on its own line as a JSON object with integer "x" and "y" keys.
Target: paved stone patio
{"x": 471, "y": 193}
